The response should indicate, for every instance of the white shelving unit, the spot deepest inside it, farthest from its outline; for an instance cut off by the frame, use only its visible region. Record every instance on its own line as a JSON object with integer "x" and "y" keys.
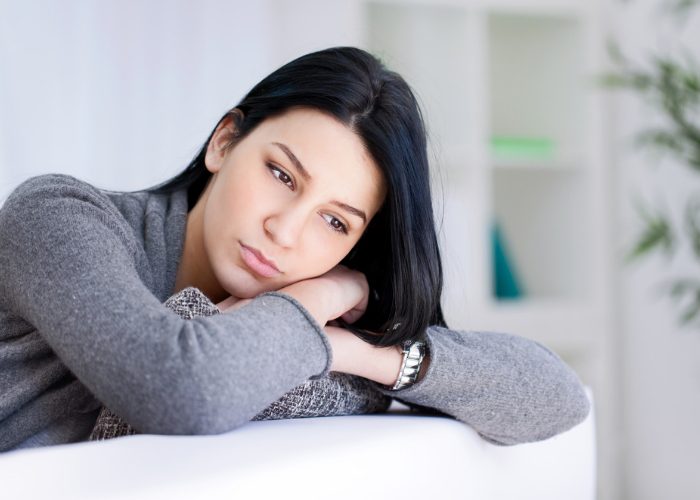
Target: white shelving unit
{"x": 510, "y": 77}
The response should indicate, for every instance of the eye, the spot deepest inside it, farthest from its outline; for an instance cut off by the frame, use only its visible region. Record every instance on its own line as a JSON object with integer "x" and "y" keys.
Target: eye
{"x": 280, "y": 174}
{"x": 336, "y": 224}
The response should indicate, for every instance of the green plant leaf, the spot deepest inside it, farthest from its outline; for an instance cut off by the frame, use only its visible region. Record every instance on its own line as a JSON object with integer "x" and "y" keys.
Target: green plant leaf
{"x": 656, "y": 234}
{"x": 678, "y": 289}
{"x": 681, "y": 9}
{"x": 624, "y": 76}
{"x": 615, "y": 52}
{"x": 628, "y": 79}
{"x": 661, "y": 139}
{"x": 692, "y": 310}
{"x": 694, "y": 161}
{"x": 675, "y": 90}
{"x": 681, "y": 78}
{"x": 692, "y": 223}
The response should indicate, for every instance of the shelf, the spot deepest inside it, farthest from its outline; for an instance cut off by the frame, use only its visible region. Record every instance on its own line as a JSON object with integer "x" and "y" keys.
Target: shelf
{"x": 566, "y": 326}
{"x": 535, "y": 166}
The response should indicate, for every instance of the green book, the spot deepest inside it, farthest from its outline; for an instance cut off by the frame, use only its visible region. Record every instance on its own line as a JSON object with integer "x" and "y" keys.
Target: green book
{"x": 506, "y": 284}
{"x": 522, "y": 148}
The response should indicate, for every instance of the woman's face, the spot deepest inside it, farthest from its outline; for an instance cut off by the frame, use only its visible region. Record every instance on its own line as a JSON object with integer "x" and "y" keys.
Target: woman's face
{"x": 298, "y": 191}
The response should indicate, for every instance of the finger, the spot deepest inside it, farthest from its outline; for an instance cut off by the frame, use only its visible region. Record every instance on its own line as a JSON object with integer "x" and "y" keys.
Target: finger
{"x": 352, "y": 315}
{"x": 349, "y": 317}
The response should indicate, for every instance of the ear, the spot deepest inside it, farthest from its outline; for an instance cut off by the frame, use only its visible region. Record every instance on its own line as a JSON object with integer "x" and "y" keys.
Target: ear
{"x": 225, "y": 134}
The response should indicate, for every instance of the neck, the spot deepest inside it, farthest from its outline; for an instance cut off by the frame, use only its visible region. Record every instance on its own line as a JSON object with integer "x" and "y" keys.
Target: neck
{"x": 194, "y": 268}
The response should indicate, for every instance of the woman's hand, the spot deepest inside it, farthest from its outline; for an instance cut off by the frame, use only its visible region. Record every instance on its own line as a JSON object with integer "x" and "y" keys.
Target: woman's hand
{"x": 339, "y": 293}
{"x": 352, "y": 292}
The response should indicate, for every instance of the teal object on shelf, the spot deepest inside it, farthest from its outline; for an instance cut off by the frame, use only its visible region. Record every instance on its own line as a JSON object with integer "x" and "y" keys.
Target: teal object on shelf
{"x": 505, "y": 281}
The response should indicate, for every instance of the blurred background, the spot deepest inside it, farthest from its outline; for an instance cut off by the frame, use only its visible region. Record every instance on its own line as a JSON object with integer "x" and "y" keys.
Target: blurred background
{"x": 564, "y": 137}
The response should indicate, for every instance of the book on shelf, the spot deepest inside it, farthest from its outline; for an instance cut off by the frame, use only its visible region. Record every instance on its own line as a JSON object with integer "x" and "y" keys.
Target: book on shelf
{"x": 521, "y": 148}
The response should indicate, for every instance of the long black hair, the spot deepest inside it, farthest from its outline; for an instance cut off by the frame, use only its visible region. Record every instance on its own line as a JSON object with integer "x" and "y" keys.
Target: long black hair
{"x": 398, "y": 252}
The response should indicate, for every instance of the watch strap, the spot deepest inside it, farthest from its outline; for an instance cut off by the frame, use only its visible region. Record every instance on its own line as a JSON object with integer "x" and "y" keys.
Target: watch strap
{"x": 413, "y": 354}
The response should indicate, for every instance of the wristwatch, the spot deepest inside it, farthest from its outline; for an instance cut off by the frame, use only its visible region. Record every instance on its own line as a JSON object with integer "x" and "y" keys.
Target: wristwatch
{"x": 413, "y": 354}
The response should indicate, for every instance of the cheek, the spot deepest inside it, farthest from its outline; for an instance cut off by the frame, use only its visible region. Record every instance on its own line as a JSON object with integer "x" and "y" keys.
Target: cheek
{"x": 320, "y": 254}
{"x": 239, "y": 205}
{"x": 246, "y": 190}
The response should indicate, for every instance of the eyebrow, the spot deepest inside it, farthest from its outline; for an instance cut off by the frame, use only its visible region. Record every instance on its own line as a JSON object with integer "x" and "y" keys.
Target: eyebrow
{"x": 305, "y": 174}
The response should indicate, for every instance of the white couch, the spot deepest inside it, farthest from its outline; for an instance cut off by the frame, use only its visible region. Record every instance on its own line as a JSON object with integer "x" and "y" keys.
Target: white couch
{"x": 383, "y": 456}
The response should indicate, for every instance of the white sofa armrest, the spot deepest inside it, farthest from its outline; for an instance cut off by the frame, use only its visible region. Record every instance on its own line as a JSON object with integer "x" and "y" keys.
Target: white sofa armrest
{"x": 392, "y": 455}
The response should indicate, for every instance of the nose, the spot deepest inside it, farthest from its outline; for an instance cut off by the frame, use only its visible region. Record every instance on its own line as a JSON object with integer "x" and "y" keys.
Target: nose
{"x": 285, "y": 227}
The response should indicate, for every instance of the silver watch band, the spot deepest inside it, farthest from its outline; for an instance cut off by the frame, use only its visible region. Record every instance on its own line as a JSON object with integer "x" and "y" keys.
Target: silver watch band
{"x": 413, "y": 354}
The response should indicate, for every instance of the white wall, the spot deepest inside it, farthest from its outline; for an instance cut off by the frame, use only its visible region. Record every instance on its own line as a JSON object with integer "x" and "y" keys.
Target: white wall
{"x": 661, "y": 396}
{"x": 120, "y": 93}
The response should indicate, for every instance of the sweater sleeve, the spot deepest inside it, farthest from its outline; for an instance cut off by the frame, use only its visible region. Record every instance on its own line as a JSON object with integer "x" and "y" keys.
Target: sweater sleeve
{"x": 510, "y": 389}
{"x": 68, "y": 266}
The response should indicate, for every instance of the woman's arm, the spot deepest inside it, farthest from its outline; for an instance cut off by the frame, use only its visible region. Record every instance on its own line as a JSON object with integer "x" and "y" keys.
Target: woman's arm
{"x": 350, "y": 354}
{"x": 74, "y": 269}
{"x": 510, "y": 389}
{"x": 336, "y": 394}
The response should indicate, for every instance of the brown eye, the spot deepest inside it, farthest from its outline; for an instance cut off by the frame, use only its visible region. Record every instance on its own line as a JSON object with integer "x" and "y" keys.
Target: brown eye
{"x": 280, "y": 174}
{"x": 336, "y": 224}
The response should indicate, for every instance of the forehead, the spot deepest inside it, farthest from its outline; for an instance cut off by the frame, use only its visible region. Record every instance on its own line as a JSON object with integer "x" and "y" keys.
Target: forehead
{"x": 334, "y": 155}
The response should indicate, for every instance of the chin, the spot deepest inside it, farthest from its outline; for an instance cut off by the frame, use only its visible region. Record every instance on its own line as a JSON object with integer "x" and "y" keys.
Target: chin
{"x": 248, "y": 287}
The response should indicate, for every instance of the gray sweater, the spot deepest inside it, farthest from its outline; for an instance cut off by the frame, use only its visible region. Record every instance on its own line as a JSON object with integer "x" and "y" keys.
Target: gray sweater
{"x": 83, "y": 277}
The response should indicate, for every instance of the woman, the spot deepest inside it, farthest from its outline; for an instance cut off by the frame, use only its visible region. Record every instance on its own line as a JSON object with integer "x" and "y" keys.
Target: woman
{"x": 307, "y": 217}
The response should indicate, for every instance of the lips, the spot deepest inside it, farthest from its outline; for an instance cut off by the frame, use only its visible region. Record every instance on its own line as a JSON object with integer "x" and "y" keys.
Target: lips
{"x": 257, "y": 262}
